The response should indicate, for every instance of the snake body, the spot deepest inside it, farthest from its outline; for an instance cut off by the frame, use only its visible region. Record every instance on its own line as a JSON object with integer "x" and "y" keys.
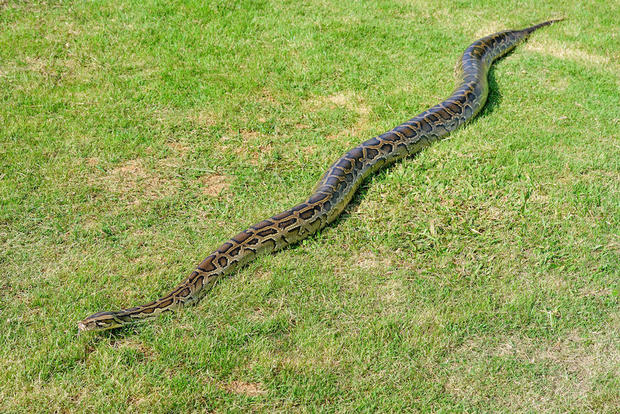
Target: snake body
{"x": 337, "y": 186}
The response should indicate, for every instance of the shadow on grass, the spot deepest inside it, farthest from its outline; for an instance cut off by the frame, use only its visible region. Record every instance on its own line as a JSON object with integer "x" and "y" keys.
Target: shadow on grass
{"x": 495, "y": 96}
{"x": 493, "y": 100}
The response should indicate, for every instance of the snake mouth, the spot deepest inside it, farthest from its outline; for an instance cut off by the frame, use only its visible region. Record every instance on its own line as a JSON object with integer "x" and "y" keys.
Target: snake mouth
{"x": 99, "y": 321}
{"x": 82, "y": 326}
{"x": 103, "y": 321}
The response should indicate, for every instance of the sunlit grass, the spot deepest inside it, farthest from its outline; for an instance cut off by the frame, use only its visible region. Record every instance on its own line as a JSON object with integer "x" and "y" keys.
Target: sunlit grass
{"x": 481, "y": 275}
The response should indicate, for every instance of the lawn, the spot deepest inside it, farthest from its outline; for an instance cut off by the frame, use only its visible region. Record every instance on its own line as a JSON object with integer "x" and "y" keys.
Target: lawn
{"x": 480, "y": 276}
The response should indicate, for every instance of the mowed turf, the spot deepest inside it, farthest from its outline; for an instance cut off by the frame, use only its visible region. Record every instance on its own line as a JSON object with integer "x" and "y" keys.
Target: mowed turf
{"x": 479, "y": 276}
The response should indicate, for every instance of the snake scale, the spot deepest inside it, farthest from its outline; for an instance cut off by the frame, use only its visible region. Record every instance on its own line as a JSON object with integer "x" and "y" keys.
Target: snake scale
{"x": 337, "y": 186}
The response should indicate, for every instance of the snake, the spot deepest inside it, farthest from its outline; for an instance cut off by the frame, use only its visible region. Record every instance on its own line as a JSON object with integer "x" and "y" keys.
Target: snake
{"x": 336, "y": 187}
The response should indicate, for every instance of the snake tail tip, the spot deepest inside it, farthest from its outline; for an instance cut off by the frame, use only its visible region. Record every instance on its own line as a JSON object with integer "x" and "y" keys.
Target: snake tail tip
{"x": 531, "y": 29}
{"x": 550, "y": 22}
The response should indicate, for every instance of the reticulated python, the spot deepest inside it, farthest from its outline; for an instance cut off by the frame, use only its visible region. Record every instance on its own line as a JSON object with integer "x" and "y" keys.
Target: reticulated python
{"x": 336, "y": 188}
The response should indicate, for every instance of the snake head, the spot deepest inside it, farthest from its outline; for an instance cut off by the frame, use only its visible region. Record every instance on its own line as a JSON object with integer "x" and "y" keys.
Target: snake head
{"x": 100, "y": 321}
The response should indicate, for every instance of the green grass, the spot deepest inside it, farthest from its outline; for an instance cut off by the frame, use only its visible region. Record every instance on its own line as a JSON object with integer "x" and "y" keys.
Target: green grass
{"x": 480, "y": 276}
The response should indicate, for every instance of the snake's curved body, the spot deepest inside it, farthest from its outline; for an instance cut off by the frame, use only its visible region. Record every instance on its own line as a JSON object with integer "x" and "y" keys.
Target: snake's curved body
{"x": 337, "y": 186}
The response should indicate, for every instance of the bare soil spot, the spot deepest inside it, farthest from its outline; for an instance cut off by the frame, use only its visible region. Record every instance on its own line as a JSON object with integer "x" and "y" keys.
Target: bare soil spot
{"x": 246, "y": 388}
{"x": 133, "y": 180}
{"x": 92, "y": 161}
{"x": 130, "y": 168}
{"x": 214, "y": 184}
{"x": 266, "y": 96}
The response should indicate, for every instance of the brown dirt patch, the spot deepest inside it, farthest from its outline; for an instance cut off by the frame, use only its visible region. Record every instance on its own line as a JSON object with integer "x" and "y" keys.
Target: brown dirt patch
{"x": 214, "y": 184}
{"x": 246, "y": 388}
{"x": 92, "y": 161}
{"x": 133, "y": 180}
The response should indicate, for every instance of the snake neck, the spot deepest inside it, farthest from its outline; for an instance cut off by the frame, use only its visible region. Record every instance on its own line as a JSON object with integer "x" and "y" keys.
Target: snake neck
{"x": 338, "y": 184}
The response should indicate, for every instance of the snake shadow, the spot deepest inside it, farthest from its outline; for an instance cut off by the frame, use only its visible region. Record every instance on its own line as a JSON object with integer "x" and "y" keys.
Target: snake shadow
{"x": 494, "y": 99}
